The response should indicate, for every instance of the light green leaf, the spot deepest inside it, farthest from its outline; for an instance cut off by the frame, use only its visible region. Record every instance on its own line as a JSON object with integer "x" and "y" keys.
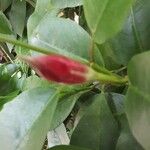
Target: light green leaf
{"x": 53, "y": 33}
{"x": 25, "y": 121}
{"x": 17, "y": 16}
{"x": 106, "y": 17}
{"x": 97, "y": 129}
{"x": 34, "y": 82}
{"x": 48, "y": 31}
{"x": 42, "y": 9}
{"x": 66, "y": 3}
{"x": 138, "y": 98}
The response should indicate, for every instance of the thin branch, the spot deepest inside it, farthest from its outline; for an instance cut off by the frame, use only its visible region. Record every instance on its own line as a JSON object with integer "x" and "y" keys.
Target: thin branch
{"x": 91, "y": 51}
{"x": 51, "y": 50}
{"x": 31, "y": 3}
{"x": 8, "y": 56}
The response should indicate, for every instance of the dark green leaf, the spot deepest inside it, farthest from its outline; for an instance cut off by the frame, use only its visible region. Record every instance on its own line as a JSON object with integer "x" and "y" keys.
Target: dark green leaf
{"x": 63, "y": 109}
{"x": 106, "y": 17}
{"x": 133, "y": 38}
{"x": 126, "y": 139}
{"x": 8, "y": 81}
{"x": 5, "y": 26}
{"x": 116, "y": 101}
{"x": 68, "y": 97}
{"x": 17, "y": 16}
{"x": 109, "y": 57}
{"x": 9, "y": 97}
{"x": 25, "y": 121}
{"x": 65, "y": 147}
{"x": 98, "y": 128}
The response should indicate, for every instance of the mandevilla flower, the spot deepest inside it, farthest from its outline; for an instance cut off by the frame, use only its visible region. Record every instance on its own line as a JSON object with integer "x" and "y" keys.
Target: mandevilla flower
{"x": 60, "y": 69}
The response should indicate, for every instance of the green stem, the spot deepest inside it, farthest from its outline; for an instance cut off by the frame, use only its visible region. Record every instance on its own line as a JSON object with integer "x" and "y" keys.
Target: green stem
{"x": 6, "y": 38}
{"x": 52, "y": 50}
{"x": 112, "y": 79}
{"x": 119, "y": 70}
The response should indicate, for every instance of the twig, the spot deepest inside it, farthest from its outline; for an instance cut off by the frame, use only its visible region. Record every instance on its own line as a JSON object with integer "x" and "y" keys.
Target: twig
{"x": 31, "y": 3}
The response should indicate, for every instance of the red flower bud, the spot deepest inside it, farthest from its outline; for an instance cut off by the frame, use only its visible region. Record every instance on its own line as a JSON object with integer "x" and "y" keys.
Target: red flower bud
{"x": 60, "y": 69}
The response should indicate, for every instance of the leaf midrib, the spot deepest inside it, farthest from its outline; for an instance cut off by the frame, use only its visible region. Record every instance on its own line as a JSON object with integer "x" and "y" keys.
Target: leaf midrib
{"x": 136, "y": 34}
{"x": 100, "y": 17}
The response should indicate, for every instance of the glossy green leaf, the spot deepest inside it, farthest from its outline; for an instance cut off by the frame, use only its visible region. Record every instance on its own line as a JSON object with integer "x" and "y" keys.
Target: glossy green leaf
{"x": 66, "y": 3}
{"x": 106, "y": 17}
{"x": 97, "y": 129}
{"x": 17, "y": 16}
{"x": 4, "y": 4}
{"x": 138, "y": 98}
{"x": 48, "y": 31}
{"x": 5, "y": 26}
{"x": 53, "y": 33}
{"x": 42, "y": 9}
{"x": 26, "y": 120}
{"x": 133, "y": 38}
{"x": 65, "y": 147}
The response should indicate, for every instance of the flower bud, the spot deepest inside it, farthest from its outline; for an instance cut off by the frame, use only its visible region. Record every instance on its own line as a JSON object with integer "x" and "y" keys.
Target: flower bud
{"x": 60, "y": 69}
